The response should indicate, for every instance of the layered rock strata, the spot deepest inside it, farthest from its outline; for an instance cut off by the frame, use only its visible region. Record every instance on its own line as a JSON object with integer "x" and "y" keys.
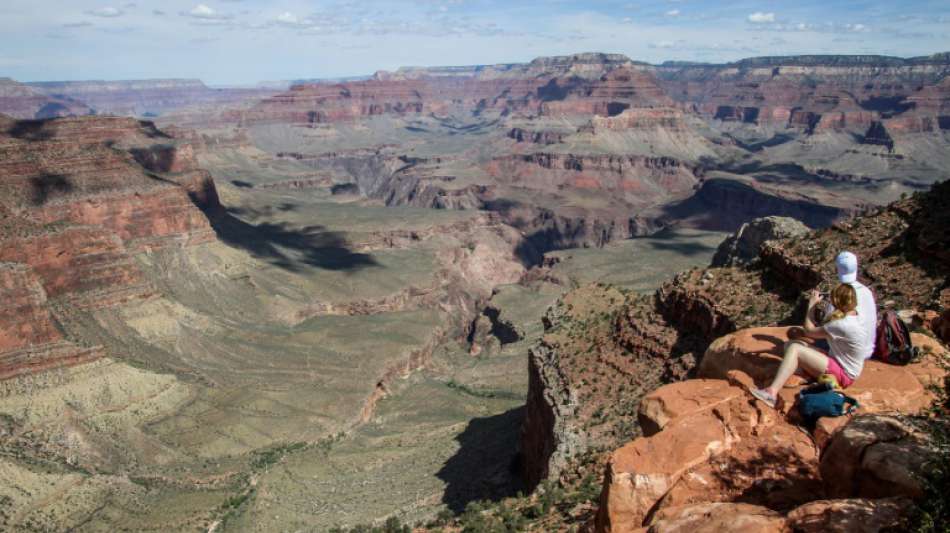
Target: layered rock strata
{"x": 81, "y": 196}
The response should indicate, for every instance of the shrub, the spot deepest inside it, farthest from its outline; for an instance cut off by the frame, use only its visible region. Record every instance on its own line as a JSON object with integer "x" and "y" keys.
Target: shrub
{"x": 932, "y": 514}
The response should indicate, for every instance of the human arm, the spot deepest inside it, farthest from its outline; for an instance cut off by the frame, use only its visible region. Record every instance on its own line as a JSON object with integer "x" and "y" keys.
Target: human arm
{"x": 812, "y": 330}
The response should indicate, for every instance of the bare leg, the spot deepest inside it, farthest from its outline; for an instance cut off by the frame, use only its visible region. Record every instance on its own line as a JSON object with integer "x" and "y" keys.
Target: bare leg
{"x": 798, "y": 356}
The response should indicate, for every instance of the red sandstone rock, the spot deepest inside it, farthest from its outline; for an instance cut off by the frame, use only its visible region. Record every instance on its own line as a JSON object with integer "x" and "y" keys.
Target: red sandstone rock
{"x": 72, "y": 170}
{"x": 676, "y": 400}
{"x": 24, "y": 318}
{"x": 757, "y": 352}
{"x": 853, "y": 515}
{"x": 716, "y": 445}
{"x": 716, "y": 517}
{"x": 875, "y": 456}
{"x": 667, "y": 118}
{"x": 707, "y": 440}
{"x": 76, "y": 260}
{"x": 941, "y": 326}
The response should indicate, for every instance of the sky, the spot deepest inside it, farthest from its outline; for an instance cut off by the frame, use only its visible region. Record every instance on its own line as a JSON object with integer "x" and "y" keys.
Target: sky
{"x": 227, "y": 42}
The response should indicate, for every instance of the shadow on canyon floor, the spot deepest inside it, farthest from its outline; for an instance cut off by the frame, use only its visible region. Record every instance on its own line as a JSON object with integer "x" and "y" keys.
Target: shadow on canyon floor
{"x": 684, "y": 248}
{"x": 49, "y": 185}
{"x": 30, "y": 130}
{"x": 484, "y": 466}
{"x": 288, "y": 247}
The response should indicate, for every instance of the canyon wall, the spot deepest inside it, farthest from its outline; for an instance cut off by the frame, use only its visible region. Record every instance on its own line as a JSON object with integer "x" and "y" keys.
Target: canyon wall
{"x": 144, "y": 98}
{"x": 21, "y": 101}
{"x": 79, "y": 197}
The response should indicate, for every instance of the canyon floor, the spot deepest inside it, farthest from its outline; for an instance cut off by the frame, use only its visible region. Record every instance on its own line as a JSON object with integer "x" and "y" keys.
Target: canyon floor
{"x": 329, "y": 306}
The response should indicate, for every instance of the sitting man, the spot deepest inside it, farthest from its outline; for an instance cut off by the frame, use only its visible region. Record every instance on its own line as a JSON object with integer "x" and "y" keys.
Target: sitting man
{"x": 847, "y": 264}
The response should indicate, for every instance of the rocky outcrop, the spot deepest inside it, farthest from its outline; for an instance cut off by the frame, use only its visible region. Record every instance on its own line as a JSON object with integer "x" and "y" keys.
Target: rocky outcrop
{"x": 610, "y": 95}
{"x": 877, "y": 134}
{"x": 707, "y": 441}
{"x": 637, "y": 179}
{"x": 941, "y": 326}
{"x": 743, "y": 246}
{"x": 535, "y": 137}
{"x": 24, "y": 317}
{"x": 85, "y": 262}
{"x": 695, "y": 324}
{"x": 876, "y": 456}
{"x": 30, "y": 340}
{"x": 589, "y": 371}
{"x": 665, "y": 118}
{"x": 850, "y": 514}
{"x": 79, "y": 197}
{"x": 117, "y": 173}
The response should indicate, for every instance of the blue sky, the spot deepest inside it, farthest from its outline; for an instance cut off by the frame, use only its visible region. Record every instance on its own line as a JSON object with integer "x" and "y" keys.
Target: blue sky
{"x": 243, "y": 41}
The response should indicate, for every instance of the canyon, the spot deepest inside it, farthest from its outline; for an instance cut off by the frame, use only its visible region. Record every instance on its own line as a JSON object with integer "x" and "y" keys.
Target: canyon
{"x": 341, "y": 302}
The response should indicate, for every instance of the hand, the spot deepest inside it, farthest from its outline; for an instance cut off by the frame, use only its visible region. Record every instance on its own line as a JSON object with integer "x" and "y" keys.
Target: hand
{"x": 814, "y": 297}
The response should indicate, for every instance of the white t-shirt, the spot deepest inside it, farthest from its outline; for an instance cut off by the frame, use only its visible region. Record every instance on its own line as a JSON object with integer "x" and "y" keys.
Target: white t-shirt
{"x": 848, "y": 341}
{"x": 867, "y": 315}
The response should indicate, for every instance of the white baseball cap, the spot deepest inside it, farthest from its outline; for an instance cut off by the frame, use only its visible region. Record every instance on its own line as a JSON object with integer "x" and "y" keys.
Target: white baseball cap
{"x": 847, "y": 264}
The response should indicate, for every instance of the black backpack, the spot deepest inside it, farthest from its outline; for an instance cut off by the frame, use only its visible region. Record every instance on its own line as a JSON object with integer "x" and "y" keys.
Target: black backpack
{"x": 892, "y": 342}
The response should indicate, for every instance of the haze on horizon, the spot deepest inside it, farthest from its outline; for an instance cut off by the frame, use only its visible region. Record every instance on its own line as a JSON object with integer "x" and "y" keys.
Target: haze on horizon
{"x": 246, "y": 41}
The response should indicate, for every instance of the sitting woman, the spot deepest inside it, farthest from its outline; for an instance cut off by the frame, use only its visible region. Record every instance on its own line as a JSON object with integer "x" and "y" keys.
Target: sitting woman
{"x": 845, "y": 335}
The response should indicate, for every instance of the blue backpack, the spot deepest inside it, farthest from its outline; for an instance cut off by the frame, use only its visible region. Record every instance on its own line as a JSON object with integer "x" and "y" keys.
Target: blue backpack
{"x": 823, "y": 400}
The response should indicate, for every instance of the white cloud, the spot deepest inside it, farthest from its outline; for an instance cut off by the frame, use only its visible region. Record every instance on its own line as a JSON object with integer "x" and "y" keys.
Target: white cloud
{"x": 288, "y": 17}
{"x": 107, "y": 12}
{"x": 202, "y": 11}
{"x": 292, "y": 21}
{"x": 761, "y": 18}
{"x": 673, "y": 13}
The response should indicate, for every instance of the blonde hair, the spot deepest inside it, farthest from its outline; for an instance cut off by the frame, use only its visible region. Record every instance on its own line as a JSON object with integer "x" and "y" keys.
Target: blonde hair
{"x": 845, "y": 300}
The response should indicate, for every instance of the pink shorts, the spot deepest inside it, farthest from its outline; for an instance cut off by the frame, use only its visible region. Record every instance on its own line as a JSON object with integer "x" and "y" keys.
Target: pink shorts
{"x": 834, "y": 368}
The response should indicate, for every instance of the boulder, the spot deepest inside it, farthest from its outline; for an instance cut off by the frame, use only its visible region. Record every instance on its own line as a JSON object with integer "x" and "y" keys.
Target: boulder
{"x": 849, "y": 515}
{"x": 757, "y": 352}
{"x": 714, "y": 443}
{"x": 875, "y": 456}
{"x": 680, "y": 399}
{"x": 941, "y": 326}
{"x": 715, "y": 517}
{"x": 709, "y": 444}
{"x": 742, "y": 247}
{"x": 642, "y": 472}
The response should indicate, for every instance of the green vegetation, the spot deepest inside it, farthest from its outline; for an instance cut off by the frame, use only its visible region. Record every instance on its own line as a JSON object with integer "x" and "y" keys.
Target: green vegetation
{"x": 270, "y": 456}
{"x": 932, "y": 513}
{"x": 482, "y": 393}
{"x": 391, "y": 525}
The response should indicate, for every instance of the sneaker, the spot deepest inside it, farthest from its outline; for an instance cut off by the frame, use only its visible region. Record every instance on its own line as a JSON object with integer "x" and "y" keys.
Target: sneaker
{"x": 763, "y": 395}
